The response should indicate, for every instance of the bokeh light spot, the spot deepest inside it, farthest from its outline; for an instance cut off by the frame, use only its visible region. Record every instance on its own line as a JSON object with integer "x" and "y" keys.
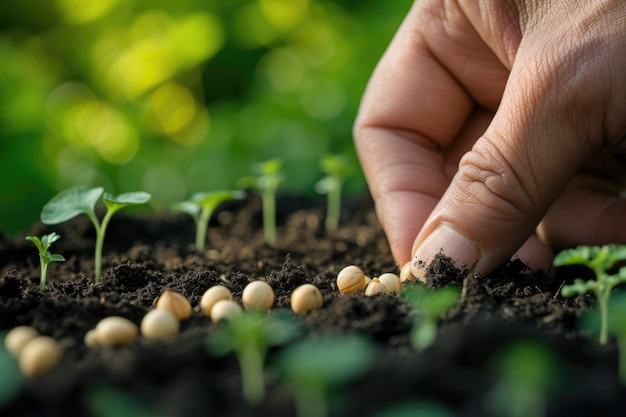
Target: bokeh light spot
{"x": 284, "y": 14}
{"x": 79, "y": 11}
{"x": 282, "y": 69}
{"x": 171, "y": 107}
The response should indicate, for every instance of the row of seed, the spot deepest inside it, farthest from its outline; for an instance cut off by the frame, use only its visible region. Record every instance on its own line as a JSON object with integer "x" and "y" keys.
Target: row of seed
{"x": 38, "y": 354}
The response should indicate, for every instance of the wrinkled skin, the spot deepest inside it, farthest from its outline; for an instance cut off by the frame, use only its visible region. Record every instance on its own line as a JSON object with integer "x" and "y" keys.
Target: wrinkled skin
{"x": 496, "y": 129}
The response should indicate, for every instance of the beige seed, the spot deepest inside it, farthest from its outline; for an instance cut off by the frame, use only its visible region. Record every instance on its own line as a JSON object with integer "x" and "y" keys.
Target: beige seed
{"x": 17, "y": 337}
{"x": 376, "y": 287}
{"x": 406, "y": 274}
{"x": 306, "y": 297}
{"x": 39, "y": 355}
{"x": 350, "y": 280}
{"x": 391, "y": 281}
{"x": 115, "y": 331}
{"x": 176, "y": 303}
{"x": 212, "y": 296}
{"x": 159, "y": 324}
{"x": 90, "y": 339}
{"x": 366, "y": 282}
{"x": 225, "y": 310}
{"x": 258, "y": 296}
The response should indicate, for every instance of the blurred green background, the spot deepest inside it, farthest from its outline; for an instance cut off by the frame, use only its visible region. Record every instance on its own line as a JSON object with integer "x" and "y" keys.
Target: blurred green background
{"x": 173, "y": 97}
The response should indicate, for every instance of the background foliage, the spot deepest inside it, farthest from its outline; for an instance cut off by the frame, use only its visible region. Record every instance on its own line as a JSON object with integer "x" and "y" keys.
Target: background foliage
{"x": 173, "y": 97}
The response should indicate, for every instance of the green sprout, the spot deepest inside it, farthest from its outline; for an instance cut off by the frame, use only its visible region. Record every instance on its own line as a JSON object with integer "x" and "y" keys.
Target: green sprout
{"x": 313, "y": 367}
{"x": 82, "y": 200}
{"x": 617, "y": 327}
{"x": 337, "y": 169}
{"x": 201, "y": 207}
{"x": 45, "y": 257}
{"x": 428, "y": 306}
{"x": 249, "y": 337}
{"x": 267, "y": 180}
{"x": 12, "y": 378}
{"x": 600, "y": 259}
{"x": 526, "y": 373}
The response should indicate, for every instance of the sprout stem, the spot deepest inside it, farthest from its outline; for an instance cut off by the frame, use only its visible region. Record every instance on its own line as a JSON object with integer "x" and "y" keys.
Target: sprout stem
{"x": 269, "y": 216}
{"x": 333, "y": 209}
{"x": 44, "y": 271}
{"x": 253, "y": 383}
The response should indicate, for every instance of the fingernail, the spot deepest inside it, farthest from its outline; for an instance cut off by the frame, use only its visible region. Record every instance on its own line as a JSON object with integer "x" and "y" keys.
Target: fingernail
{"x": 453, "y": 244}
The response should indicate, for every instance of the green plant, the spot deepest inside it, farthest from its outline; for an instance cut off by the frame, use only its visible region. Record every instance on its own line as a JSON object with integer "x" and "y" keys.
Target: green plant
{"x": 337, "y": 170}
{"x": 526, "y": 371}
{"x": 600, "y": 259}
{"x": 201, "y": 207}
{"x": 428, "y": 305}
{"x": 314, "y": 367}
{"x": 12, "y": 379}
{"x": 267, "y": 180}
{"x": 104, "y": 400}
{"x": 417, "y": 408}
{"x": 249, "y": 336}
{"x": 82, "y": 200}
{"x": 45, "y": 257}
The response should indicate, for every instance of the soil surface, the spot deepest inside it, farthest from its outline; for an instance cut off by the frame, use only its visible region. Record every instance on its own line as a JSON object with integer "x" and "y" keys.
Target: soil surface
{"x": 143, "y": 255}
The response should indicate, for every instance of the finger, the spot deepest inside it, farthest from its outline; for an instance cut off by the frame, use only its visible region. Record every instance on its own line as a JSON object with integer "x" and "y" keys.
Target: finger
{"x": 591, "y": 204}
{"x": 507, "y": 182}
{"x": 413, "y": 111}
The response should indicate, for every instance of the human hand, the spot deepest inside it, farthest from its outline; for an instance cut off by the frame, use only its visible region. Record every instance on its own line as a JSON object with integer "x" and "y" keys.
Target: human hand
{"x": 485, "y": 121}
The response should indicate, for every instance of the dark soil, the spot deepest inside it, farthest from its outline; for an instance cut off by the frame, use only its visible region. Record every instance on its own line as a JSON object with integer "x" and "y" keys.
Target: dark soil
{"x": 144, "y": 255}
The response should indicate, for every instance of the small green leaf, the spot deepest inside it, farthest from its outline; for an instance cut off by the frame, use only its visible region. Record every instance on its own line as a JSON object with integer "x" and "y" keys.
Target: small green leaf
{"x": 49, "y": 239}
{"x": 326, "y": 361}
{"x": 188, "y": 207}
{"x": 56, "y": 258}
{"x": 117, "y": 202}
{"x": 213, "y": 199}
{"x": 423, "y": 334}
{"x": 70, "y": 203}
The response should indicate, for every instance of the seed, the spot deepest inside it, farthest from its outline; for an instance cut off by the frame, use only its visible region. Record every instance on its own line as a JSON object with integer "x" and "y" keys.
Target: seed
{"x": 91, "y": 339}
{"x": 406, "y": 274}
{"x": 350, "y": 279}
{"x": 375, "y": 287}
{"x": 159, "y": 324}
{"x": 212, "y": 296}
{"x": 366, "y": 282}
{"x": 391, "y": 281}
{"x": 258, "y": 296}
{"x": 17, "y": 337}
{"x": 115, "y": 331}
{"x": 225, "y": 310}
{"x": 306, "y": 297}
{"x": 39, "y": 355}
{"x": 176, "y": 303}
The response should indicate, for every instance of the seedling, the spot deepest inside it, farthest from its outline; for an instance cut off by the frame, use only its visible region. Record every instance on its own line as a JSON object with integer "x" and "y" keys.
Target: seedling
{"x": 268, "y": 179}
{"x": 82, "y": 200}
{"x": 249, "y": 336}
{"x": 600, "y": 259}
{"x": 312, "y": 368}
{"x": 428, "y": 306}
{"x": 45, "y": 257}
{"x": 12, "y": 379}
{"x": 337, "y": 170}
{"x": 526, "y": 373}
{"x": 201, "y": 207}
